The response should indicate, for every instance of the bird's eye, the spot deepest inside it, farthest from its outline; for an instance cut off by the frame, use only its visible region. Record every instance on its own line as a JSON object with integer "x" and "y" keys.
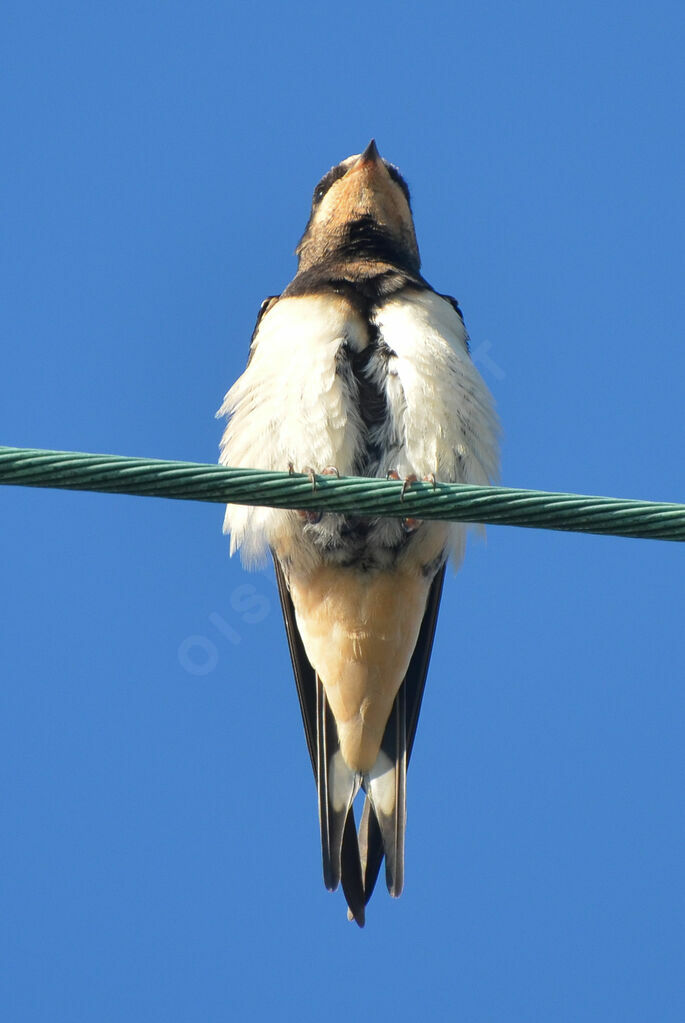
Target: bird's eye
{"x": 326, "y": 182}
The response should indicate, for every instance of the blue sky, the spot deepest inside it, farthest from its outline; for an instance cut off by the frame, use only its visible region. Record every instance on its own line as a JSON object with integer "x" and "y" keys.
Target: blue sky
{"x": 159, "y": 161}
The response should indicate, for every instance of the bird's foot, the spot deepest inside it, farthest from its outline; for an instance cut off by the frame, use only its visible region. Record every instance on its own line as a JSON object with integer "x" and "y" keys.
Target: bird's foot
{"x": 410, "y": 525}
{"x": 311, "y": 518}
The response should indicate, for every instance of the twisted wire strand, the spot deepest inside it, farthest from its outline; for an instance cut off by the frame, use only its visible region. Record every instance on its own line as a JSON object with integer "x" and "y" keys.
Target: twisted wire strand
{"x": 195, "y": 481}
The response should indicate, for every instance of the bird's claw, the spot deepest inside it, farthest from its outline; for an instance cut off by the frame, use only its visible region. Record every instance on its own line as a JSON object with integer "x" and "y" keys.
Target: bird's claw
{"x": 311, "y": 473}
{"x": 406, "y": 482}
{"x": 311, "y": 518}
{"x": 410, "y": 525}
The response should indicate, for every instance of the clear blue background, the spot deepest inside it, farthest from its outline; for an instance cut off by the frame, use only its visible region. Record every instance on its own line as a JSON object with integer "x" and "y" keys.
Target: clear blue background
{"x": 160, "y": 853}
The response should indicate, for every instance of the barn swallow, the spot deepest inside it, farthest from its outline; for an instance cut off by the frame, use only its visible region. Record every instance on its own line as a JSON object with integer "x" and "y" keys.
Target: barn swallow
{"x": 361, "y": 368}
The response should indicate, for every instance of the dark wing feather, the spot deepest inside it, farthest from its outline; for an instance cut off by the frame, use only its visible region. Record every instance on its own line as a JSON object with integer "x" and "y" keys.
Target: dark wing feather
{"x": 415, "y": 679}
{"x": 305, "y": 676}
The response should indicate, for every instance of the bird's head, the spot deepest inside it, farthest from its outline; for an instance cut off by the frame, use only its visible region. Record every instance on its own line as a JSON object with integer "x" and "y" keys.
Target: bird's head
{"x": 360, "y": 212}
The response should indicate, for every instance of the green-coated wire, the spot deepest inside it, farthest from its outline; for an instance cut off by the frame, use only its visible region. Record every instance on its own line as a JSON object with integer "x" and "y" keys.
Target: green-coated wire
{"x": 194, "y": 481}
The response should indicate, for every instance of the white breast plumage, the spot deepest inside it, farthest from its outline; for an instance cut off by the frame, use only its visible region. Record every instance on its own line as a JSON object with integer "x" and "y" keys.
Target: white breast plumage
{"x": 291, "y": 406}
{"x": 440, "y": 410}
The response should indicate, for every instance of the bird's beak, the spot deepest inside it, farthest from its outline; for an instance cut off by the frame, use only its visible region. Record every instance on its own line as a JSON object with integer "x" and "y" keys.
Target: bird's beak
{"x": 368, "y": 171}
{"x": 370, "y": 154}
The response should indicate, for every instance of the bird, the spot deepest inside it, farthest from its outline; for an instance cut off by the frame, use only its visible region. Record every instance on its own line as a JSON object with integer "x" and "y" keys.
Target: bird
{"x": 359, "y": 367}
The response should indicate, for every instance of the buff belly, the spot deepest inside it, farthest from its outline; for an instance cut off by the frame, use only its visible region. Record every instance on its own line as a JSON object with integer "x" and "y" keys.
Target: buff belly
{"x": 359, "y": 629}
